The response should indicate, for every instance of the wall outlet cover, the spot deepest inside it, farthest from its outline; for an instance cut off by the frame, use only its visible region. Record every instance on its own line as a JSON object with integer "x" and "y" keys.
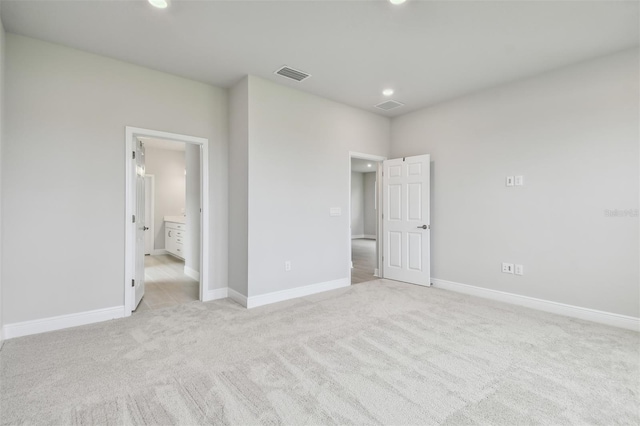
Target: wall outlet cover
{"x": 519, "y": 180}
{"x": 519, "y": 270}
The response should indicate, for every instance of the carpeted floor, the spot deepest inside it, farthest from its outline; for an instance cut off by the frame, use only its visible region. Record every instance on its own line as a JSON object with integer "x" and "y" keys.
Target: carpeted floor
{"x": 376, "y": 353}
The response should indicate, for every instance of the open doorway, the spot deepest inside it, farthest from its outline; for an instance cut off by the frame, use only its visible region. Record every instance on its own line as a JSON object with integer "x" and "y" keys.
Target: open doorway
{"x": 166, "y": 197}
{"x": 172, "y": 210}
{"x": 364, "y": 212}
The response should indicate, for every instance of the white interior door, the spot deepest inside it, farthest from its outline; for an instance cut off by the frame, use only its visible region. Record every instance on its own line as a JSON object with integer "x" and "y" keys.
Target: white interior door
{"x": 138, "y": 288}
{"x": 405, "y": 222}
{"x": 148, "y": 213}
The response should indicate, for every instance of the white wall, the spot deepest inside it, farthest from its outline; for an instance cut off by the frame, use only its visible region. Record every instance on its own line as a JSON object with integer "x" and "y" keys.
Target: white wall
{"x": 357, "y": 205}
{"x": 239, "y": 186}
{"x": 369, "y": 189}
{"x": 167, "y": 167}
{"x": 2, "y": 126}
{"x": 64, "y": 172}
{"x": 290, "y": 195}
{"x": 192, "y": 208}
{"x": 573, "y": 135}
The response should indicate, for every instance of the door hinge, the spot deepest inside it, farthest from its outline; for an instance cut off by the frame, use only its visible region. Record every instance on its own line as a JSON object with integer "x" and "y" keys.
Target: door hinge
{"x": 133, "y": 218}
{"x": 134, "y": 155}
{"x": 133, "y": 283}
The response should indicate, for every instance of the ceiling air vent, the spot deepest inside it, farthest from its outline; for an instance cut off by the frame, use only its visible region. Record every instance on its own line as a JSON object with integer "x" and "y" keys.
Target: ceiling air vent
{"x": 296, "y": 75}
{"x": 387, "y": 105}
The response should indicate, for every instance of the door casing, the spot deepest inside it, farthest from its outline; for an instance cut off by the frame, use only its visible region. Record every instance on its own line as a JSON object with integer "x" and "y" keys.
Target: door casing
{"x": 131, "y": 133}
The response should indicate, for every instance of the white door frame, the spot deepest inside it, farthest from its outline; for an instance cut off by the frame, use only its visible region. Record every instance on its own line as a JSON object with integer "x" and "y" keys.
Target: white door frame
{"x": 131, "y": 133}
{"x": 379, "y": 241}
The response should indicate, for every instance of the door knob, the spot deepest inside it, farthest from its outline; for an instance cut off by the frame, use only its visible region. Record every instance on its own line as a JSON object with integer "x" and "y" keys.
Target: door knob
{"x": 144, "y": 228}
{"x": 423, "y": 227}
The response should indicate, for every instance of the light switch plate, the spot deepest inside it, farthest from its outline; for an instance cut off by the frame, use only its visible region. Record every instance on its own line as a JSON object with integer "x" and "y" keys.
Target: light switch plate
{"x": 509, "y": 180}
{"x": 507, "y": 268}
{"x": 519, "y": 180}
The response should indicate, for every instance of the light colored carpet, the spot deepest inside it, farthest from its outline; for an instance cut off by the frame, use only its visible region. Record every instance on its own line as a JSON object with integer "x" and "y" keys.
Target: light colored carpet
{"x": 363, "y": 257}
{"x": 376, "y": 353}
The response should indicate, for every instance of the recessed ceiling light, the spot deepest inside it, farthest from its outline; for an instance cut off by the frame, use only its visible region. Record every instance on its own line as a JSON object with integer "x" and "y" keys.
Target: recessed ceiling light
{"x": 162, "y": 4}
{"x": 387, "y": 92}
{"x": 397, "y": 1}
{"x": 369, "y": 165}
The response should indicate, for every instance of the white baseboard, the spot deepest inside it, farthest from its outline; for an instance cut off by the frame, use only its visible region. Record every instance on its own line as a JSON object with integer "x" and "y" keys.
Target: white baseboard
{"x": 279, "y": 296}
{"x": 218, "y": 293}
{"x": 376, "y": 273}
{"x": 370, "y": 237}
{"x": 602, "y": 317}
{"x": 192, "y": 273}
{"x": 234, "y": 295}
{"x": 159, "y": 252}
{"x": 355, "y": 237}
{"x": 26, "y": 328}
{"x": 360, "y": 236}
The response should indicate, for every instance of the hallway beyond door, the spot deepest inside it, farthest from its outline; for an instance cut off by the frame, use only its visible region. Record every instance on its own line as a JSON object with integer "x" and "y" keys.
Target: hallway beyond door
{"x": 363, "y": 256}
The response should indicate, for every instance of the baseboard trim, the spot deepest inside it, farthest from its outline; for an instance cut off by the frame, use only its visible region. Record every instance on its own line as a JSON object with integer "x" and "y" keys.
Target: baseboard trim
{"x": 355, "y": 237}
{"x": 218, "y": 293}
{"x": 601, "y": 317}
{"x": 192, "y": 273}
{"x": 279, "y": 296}
{"x": 159, "y": 252}
{"x": 43, "y": 325}
{"x": 360, "y": 236}
{"x": 376, "y": 273}
{"x": 234, "y": 295}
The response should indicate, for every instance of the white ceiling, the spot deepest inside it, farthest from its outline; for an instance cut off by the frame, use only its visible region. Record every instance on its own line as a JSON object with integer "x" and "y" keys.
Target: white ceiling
{"x": 428, "y": 51}
{"x": 362, "y": 166}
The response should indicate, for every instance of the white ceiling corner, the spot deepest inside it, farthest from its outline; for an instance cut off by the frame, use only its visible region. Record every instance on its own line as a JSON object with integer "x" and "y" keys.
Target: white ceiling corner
{"x": 427, "y": 51}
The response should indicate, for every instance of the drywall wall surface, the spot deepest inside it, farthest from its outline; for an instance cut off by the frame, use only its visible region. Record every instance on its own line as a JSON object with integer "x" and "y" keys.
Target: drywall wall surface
{"x": 66, "y": 112}
{"x": 167, "y": 167}
{"x": 192, "y": 207}
{"x": 299, "y": 168}
{"x": 2, "y": 66}
{"x": 573, "y": 135}
{"x": 369, "y": 193}
{"x": 239, "y": 186}
{"x": 357, "y": 204}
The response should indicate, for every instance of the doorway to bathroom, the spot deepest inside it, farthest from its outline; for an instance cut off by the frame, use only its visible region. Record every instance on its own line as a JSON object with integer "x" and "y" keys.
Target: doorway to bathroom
{"x": 167, "y": 220}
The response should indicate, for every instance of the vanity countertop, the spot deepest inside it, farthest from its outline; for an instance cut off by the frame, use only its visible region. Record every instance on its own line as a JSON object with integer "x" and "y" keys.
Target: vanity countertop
{"x": 176, "y": 219}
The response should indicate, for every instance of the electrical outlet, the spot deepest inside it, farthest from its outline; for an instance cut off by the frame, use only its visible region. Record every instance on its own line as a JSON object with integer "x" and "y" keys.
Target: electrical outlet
{"x": 287, "y": 265}
{"x": 507, "y": 268}
{"x": 509, "y": 181}
{"x": 519, "y": 180}
{"x": 519, "y": 270}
